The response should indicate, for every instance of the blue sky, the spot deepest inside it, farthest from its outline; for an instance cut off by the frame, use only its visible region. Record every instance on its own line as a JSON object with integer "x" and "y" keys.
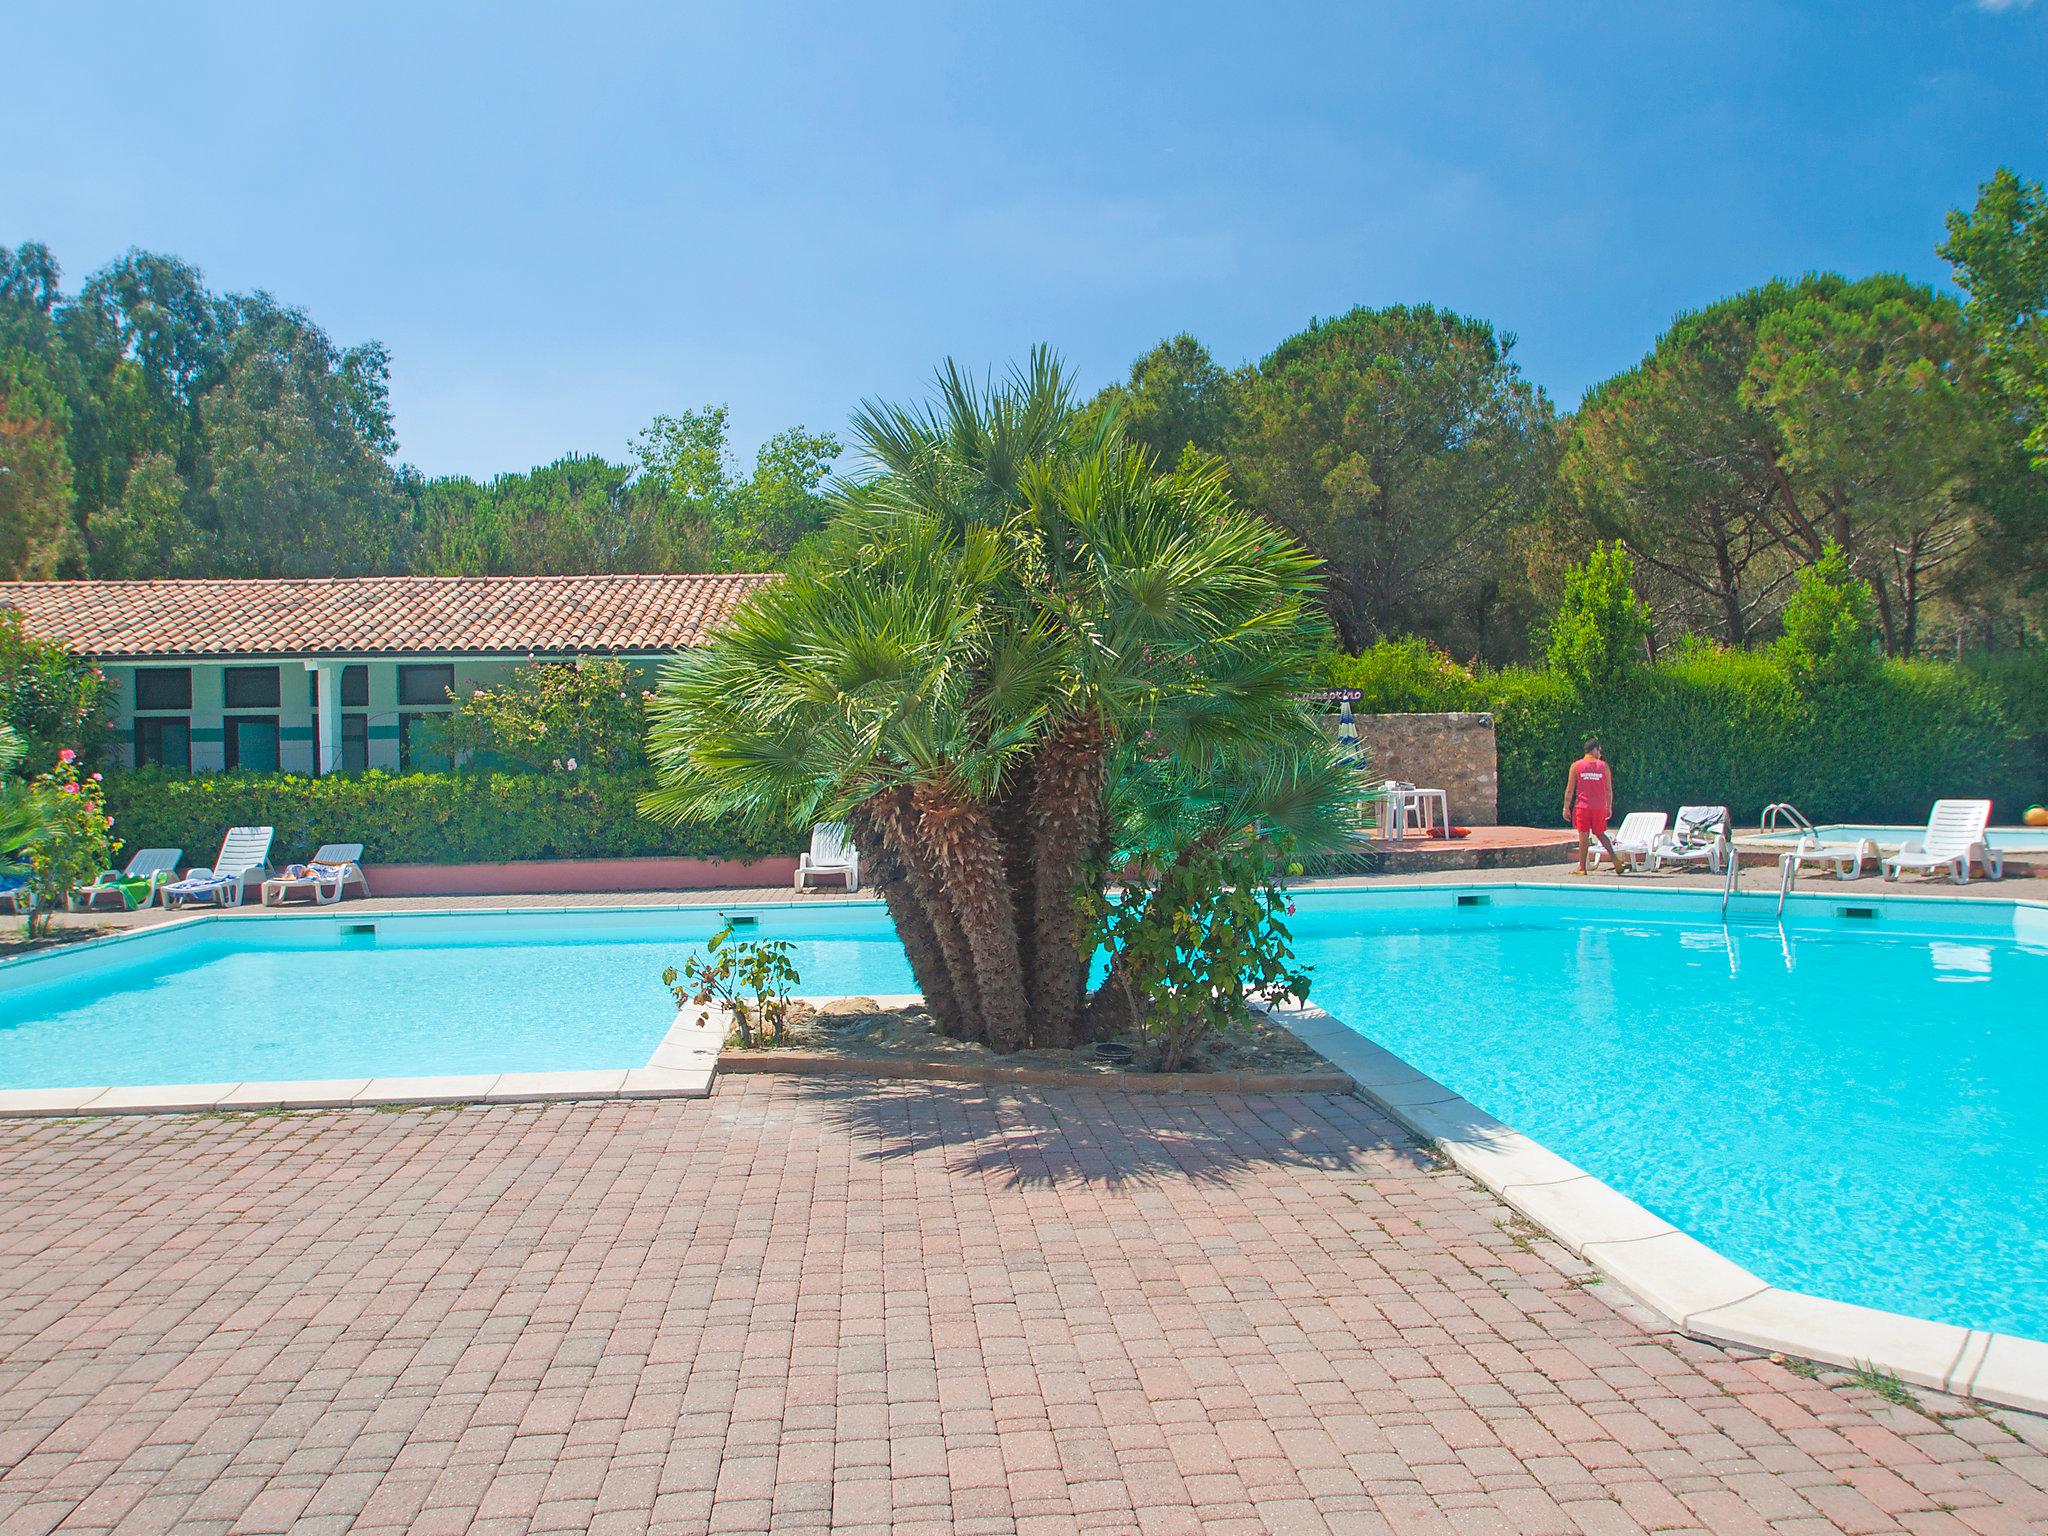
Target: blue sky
{"x": 562, "y": 219}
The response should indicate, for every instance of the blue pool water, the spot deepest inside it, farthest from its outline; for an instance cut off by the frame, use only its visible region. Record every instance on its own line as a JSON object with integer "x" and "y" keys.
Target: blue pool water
{"x": 1855, "y": 1105}
{"x": 255, "y": 999}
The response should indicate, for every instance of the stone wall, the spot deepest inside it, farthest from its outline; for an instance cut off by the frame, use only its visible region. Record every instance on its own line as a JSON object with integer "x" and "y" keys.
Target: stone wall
{"x": 1452, "y": 752}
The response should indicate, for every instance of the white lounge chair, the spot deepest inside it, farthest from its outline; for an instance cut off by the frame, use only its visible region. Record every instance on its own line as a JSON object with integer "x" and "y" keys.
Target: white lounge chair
{"x": 327, "y": 875}
{"x": 1954, "y": 837}
{"x": 1635, "y": 839}
{"x": 832, "y": 853}
{"x": 245, "y": 851}
{"x": 1700, "y": 834}
{"x": 1844, "y": 859}
{"x": 158, "y": 866}
{"x": 16, "y": 896}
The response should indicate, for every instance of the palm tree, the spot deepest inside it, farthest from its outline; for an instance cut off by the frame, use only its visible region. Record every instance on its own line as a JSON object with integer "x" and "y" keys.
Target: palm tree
{"x": 1015, "y": 620}
{"x": 22, "y": 819}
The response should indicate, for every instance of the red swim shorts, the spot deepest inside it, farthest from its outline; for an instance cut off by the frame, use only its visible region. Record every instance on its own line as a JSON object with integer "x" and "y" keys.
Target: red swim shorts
{"x": 1588, "y": 818}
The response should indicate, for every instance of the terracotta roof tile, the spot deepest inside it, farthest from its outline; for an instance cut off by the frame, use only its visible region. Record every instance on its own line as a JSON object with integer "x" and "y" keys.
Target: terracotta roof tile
{"x": 379, "y": 615}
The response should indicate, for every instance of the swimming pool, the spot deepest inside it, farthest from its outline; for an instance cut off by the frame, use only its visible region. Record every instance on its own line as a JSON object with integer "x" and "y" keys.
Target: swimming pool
{"x": 293, "y": 997}
{"x": 2004, "y": 839}
{"x": 1854, "y": 1104}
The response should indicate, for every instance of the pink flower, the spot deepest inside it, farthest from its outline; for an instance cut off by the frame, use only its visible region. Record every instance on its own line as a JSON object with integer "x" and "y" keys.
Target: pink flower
{"x": 96, "y": 778}
{"x": 1290, "y": 909}
{"x": 67, "y": 756}
{"x": 70, "y": 789}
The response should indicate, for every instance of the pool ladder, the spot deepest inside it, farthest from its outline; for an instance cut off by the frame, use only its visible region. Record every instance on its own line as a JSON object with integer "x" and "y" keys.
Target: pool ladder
{"x": 1779, "y": 815}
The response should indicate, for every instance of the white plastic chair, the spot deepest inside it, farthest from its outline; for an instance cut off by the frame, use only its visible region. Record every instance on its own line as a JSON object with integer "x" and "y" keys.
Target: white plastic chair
{"x": 159, "y": 866}
{"x": 832, "y": 853}
{"x": 1954, "y": 837}
{"x": 1635, "y": 839}
{"x": 245, "y": 851}
{"x": 327, "y": 875}
{"x": 1699, "y": 833}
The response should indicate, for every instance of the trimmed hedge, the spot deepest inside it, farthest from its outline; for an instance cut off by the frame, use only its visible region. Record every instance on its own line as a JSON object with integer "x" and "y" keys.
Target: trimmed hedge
{"x": 1727, "y": 727}
{"x": 419, "y": 818}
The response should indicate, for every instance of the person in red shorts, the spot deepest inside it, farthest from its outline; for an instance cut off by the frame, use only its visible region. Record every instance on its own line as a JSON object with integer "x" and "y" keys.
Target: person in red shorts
{"x": 1589, "y": 801}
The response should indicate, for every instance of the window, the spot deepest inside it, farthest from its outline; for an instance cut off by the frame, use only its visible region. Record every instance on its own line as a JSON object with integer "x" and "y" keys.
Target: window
{"x": 415, "y": 751}
{"x": 355, "y": 688}
{"x": 426, "y": 685}
{"x": 163, "y": 741}
{"x": 250, "y": 687}
{"x": 163, "y": 688}
{"x": 355, "y": 741}
{"x": 251, "y": 742}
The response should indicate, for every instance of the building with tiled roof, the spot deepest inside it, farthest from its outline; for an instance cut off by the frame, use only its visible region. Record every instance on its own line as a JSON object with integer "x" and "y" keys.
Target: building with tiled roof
{"x": 207, "y": 674}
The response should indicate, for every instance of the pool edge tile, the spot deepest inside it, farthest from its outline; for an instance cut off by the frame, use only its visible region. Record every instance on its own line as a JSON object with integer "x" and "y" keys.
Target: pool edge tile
{"x": 1583, "y": 1211}
{"x": 668, "y": 1083}
{"x": 161, "y": 1098}
{"x": 296, "y": 1093}
{"x": 21, "y": 1103}
{"x": 1838, "y": 1333}
{"x": 1674, "y": 1274}
{"x": 539, "y": 1087}
{"x": 2013, "y": 1371}
{"x": 427, "y": 1090}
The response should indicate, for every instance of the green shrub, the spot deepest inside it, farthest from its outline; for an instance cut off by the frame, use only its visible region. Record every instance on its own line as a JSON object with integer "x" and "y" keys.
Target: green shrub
{"x": 1742, "y": 728}
{"x": 1404, "y": 677}
{"x": 419, "y": 818}
{"x": 54, "y": 700}
{"x": 1598, "y": 634}
{"x": 1830, "y": 624}
{"x": 1735, "y": 728}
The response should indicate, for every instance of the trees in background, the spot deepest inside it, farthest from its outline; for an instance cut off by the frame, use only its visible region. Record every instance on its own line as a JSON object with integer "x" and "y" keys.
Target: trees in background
{"x": 1794, "y": 416}
{"x": 151, "y": 427}
{"x": 1404, "y": 446}
{"x": 1999, "y": 250}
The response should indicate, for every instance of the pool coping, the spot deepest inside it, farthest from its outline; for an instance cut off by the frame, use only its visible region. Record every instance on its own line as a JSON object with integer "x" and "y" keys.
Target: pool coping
{"x": 1691, "y": 1285}
{"x": 1694, "y": 1287}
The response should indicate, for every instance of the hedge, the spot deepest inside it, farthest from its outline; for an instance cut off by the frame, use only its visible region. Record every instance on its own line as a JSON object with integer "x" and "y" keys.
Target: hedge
{"x": 419, "y": 818}
{"x": 1728, "y": 728}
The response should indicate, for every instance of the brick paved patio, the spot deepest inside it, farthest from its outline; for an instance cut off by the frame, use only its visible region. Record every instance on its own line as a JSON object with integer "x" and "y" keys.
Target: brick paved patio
{"x": 802, "y": 1304}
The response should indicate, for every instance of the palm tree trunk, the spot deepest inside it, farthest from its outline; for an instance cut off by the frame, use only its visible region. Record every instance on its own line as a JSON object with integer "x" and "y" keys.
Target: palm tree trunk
{"x": 960, "y": 839}
{"x": 882, "y": 867}
{"x": 896, "y": 824}
{"x": 1065, "y": 821}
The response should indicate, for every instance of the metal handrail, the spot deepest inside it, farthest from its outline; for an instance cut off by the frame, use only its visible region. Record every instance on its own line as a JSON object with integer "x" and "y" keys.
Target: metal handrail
{"x": 1790, "y": 815}
{"x": 1731, "y": 879}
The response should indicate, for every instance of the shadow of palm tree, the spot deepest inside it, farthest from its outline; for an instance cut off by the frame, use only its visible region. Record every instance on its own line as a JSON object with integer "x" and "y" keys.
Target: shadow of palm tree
{"x": 1048, "y": 1137}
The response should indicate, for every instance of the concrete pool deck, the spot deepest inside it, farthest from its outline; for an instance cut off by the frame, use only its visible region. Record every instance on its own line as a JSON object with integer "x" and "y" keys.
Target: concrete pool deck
{"x": 808, "y": 1305}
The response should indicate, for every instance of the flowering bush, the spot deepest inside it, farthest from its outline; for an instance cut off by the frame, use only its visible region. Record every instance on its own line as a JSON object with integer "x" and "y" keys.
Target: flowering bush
{"x": 76, "y": 840}
{"x": 550, "y": 717}
{"x": 50, "y": 697}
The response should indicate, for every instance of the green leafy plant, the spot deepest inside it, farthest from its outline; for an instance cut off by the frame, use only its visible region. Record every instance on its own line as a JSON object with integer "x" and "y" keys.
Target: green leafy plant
{"x": 550, "y": 716}
{"x": 1194, "y": 938}
{"x": 1598, "y": 634}
{"x": 74, "y": 842}
{"x": 53, "y": 699}
{"x": 749, "y": 978}
{"x": 1830, "y": 623}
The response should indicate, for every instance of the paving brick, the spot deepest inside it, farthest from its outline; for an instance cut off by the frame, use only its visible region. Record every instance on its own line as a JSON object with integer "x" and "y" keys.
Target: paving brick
{"x": 810, "y": 1304}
